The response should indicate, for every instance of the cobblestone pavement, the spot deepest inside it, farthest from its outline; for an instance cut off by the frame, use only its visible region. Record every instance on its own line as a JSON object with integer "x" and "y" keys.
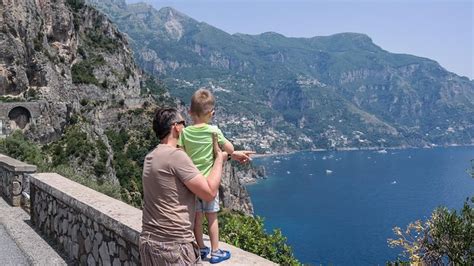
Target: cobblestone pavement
{"x": 10, "y": 254}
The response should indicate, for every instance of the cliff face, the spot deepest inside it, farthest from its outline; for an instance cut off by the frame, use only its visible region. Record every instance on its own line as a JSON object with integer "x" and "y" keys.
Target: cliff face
{"x": 61, "y": 51}
{"x": 232, "y": 193}
{"x": 92, "y": 105}
{"x": 71, "y": 60}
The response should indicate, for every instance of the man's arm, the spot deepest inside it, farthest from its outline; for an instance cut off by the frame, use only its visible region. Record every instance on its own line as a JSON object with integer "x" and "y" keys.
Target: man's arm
{"x": 207, "y": 188}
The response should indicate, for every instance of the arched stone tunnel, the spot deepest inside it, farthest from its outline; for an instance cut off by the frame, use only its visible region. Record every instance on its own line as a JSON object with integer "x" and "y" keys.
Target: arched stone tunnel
{"x": 19, "y": 117}
{"x": 40, "y": 120}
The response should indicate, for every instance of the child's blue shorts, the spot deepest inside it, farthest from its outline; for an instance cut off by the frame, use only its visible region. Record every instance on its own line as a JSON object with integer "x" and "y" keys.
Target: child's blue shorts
{"x": 211, "y": 206}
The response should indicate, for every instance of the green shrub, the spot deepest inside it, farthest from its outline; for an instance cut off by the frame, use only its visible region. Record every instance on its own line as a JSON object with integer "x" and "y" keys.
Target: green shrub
{"x": 83, "y": 72}
{"x": 107, "y": 187}
{"x": 136, "y": 111}
{"x": 18, "y": 147}
{"x": 117, "y": 139}
{"x": 99, "y": 40}
{"x": 447, "y": 237}
{"x": 73, "y": 144}
{"x": 7, "y": 99}
{"x": 150, "y": 85}
{"x": 100, "y": 165}
{"x": 248, "y": 233}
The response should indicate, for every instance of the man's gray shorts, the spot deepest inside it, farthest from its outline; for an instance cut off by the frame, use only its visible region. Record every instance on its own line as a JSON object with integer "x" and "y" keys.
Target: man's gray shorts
{"x": 153, "y": 252}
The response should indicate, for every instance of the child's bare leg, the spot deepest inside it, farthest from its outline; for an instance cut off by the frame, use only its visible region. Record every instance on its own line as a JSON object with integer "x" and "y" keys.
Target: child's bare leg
{"x": 213, "y": 230}
{"x": 198, "y": 229}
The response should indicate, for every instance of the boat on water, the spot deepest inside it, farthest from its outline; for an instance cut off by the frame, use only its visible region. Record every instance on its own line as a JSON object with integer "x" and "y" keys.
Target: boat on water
{"x": 328, "y": 172}
{"x": 383, "y": 151}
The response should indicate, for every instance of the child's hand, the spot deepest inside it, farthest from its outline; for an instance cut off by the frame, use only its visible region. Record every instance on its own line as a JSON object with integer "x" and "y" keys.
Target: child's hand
{"x": 242, "y": 156}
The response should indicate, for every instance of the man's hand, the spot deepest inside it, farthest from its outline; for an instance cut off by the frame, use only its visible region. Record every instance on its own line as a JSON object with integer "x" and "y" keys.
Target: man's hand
{"x": 216, "y": 149}
{"x": 242, "y": 156}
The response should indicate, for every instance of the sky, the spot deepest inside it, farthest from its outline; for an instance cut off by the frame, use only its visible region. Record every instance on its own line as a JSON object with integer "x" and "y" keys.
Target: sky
{"x": 442, "y": 30}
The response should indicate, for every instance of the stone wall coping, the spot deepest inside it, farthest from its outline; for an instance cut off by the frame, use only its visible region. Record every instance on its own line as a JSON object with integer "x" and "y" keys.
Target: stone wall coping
{"x": 115, "y": 215}
{"x": 14, "y": 165}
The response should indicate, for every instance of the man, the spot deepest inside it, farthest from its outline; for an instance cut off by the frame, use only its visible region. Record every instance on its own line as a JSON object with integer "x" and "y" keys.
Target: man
{"x": 170, "y": 184}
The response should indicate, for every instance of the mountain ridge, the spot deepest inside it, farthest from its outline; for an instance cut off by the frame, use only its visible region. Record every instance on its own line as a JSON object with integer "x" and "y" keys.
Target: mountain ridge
{"x": 330, "y": 87}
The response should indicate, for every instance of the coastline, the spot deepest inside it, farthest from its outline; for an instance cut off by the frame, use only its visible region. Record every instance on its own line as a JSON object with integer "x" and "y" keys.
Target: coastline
{"x": 250, "y": 181}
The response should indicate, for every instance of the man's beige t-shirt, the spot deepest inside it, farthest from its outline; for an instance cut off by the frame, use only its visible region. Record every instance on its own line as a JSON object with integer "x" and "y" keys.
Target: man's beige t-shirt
{"x": 169, "y": 207}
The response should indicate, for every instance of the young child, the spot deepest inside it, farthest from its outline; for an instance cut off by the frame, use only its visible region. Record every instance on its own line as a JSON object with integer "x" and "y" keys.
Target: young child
{"x": 196, "y": 140}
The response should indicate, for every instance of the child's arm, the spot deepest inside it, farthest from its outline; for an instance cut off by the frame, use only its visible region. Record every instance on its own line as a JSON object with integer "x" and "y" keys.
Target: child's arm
{"x": 228, "y": 147}
{"x": 224, "y": 143}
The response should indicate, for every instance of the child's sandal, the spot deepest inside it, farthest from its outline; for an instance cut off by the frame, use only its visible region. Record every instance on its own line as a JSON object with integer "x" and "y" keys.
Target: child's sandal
{"x": 204, "y": 252}
{"x": 219, "y": 256}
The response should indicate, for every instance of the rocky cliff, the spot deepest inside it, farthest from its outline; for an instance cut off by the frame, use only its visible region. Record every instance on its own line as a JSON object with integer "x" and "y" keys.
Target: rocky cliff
{"x": 232, "y": 193}
{"x": 93, "y": 105}
{"x": 64, "y": 52}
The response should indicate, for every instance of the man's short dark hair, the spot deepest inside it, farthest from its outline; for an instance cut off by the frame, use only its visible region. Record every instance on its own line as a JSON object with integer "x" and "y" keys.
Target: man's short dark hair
{"x": 163, "y": 120}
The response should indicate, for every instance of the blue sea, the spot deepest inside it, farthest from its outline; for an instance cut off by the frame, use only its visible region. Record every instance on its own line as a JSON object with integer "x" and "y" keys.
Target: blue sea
{"x": 345, "y": 215}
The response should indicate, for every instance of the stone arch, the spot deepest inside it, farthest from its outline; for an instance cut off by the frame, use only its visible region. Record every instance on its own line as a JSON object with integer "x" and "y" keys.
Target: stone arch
{"x": 19, "y": 117}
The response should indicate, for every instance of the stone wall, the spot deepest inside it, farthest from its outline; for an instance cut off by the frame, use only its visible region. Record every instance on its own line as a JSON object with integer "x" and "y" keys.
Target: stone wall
{"x": 13, "y": 179}
{"x": 90, "y": 227}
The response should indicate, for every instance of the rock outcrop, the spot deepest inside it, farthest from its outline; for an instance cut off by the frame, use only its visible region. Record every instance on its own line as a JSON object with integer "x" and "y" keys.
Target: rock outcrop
{"x": 232, "y": 193}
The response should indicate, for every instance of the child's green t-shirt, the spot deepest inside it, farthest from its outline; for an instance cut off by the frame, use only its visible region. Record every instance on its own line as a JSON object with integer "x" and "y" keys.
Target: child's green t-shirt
{"x": 197, "y": 142}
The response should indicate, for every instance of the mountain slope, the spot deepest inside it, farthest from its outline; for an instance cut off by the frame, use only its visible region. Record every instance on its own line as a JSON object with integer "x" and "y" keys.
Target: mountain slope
{"x": 282, "y": 93}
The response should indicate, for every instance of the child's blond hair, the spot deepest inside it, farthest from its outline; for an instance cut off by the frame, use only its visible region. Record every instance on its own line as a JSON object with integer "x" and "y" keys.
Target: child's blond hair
{"x": 202, "y": 102}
